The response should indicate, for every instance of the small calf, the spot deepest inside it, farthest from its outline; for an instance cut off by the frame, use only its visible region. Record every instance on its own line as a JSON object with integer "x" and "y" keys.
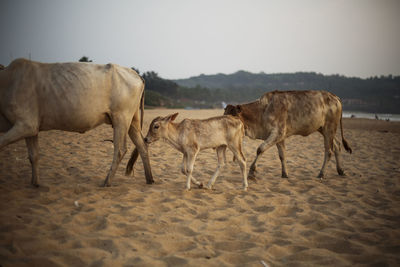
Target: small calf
{"x": 191, "y": 136}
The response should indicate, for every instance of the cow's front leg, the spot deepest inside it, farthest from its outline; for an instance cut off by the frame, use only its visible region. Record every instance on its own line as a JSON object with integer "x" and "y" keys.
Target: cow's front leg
{"x": 328, "y": 144}
{"x": 270, "y": 141}
{"x": 336, "y": 150}
{"x": 120, "y": 132}
{"x": 33, "y": 150}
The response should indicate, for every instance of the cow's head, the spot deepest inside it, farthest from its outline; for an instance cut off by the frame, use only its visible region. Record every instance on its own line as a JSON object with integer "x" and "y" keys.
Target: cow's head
{"x": 249, "y": 121}
{"x": 159, "y": 128}
{"x": 232, "y": 110}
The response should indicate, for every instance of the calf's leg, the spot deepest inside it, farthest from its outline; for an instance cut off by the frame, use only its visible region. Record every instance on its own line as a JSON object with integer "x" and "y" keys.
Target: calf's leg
{"x": 184, "y": 164}
{"x": 33, "y": 151}
{"x": 237, "y": 152}
{"x": 191, "y": 157}
{"x": 221, "y": 161}
{"x": 184, "y": 169}
{"x": 282, "y": 157}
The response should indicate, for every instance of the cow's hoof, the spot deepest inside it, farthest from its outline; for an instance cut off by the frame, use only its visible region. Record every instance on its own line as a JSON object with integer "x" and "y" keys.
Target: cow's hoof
{"x": 35, "y": 185}
{"x": 284, "y": 175}
{"x": 251, "y": 175}
{"x": 200, "y": 185}
{"x": 252, "y": 178}
{"x": 320, "y": 175}
{"x": 149, "y": 181}
{"x": 341, "y": 172}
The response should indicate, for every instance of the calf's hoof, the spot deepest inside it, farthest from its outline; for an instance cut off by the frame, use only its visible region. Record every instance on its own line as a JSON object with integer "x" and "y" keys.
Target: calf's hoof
{"x": 284, "y": 175}
{"x": 200, "y": 185}
{"x": 321, "y": 175}
{"x": 35, "y": 185}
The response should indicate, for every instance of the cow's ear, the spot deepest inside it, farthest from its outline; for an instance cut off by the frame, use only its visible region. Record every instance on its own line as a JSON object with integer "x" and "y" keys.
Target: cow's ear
{"x": 238, "y": 109}
{"x": 172, "y": 117}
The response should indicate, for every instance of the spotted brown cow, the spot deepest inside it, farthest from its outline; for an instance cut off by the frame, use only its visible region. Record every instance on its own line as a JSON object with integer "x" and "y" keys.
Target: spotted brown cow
{"x": 280, "y": 114}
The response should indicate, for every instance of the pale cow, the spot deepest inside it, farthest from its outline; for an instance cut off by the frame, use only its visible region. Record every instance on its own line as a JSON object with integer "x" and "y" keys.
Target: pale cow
{"x": 190, "y": 136}
{"x": 72, "y": 97}
{"x": 278, "y": 115}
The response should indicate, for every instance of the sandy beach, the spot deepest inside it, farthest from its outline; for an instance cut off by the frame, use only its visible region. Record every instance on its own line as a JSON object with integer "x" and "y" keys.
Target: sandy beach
{"x": 70, "y": 220}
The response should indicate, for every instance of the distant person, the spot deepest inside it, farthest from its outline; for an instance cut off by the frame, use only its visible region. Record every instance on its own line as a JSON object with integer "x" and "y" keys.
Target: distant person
{"x": 376, "y": 117}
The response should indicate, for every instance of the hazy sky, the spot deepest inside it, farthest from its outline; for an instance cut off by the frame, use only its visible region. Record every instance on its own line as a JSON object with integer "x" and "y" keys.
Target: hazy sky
{"x": 182, "y": 38}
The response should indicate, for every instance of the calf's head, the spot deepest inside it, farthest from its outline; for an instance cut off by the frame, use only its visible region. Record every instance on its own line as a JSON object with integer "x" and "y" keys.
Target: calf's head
{"x": 159, "y": 128}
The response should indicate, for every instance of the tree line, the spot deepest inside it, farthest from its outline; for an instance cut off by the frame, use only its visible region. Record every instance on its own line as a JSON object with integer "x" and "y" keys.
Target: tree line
{"x": 375, "y": 94}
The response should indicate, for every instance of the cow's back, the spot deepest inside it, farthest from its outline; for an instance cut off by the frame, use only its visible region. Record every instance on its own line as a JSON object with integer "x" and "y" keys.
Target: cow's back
{"x": 70, "y": 96}
{"x": 300, "y": 112}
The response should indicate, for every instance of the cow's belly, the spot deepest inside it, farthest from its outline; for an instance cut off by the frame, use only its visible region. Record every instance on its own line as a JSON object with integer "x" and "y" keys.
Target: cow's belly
{"x": 305, "y": 128}
{"x": 73, "y": 122}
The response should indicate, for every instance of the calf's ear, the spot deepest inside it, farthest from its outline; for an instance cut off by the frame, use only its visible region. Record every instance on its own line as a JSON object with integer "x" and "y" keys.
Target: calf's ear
{"x": 172, "y": 117}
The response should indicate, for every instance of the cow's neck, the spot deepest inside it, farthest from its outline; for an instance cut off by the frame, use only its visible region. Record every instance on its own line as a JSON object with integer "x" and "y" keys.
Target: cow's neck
{"x": 251, "y": 117}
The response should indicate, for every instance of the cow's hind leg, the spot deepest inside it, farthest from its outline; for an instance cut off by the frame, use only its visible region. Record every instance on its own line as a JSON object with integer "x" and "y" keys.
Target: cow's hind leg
{"x": 282, "y": 157}
{"x": 131, "y": 162}
{"x": 221, "y": 161}
{"x": 328, "y": 145}
{"x": 336, "y": 150}
{"x": 270, "y": 141}
{"x": 137, "y": 138}
{"x": 120, "y": 130}
{"x": 33, "y": 150}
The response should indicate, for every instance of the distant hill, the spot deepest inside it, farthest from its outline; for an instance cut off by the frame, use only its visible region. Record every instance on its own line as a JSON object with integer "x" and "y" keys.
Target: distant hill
{"x": 375, "y": 94}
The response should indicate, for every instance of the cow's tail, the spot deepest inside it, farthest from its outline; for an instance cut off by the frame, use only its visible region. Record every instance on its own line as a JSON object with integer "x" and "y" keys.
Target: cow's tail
{"x": 345, "y": 143}
{"x": 142, "y": 107}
